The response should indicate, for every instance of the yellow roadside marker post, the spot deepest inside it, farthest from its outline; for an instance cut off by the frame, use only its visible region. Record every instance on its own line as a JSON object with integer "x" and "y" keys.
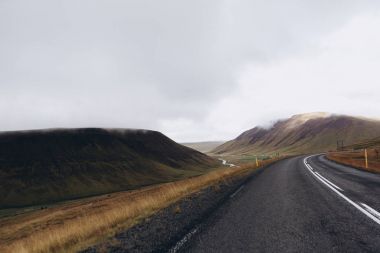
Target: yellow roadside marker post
{"x": 257, "y": 162}
{"x": 366, "y": 158}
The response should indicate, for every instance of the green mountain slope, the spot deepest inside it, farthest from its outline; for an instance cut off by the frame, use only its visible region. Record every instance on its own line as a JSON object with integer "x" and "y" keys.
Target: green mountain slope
{"x": 304, "y": 133}
{"x": 45, "y": 166}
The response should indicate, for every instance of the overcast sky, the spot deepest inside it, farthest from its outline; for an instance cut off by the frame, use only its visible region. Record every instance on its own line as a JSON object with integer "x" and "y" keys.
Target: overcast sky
{"x": 195, "y": 70}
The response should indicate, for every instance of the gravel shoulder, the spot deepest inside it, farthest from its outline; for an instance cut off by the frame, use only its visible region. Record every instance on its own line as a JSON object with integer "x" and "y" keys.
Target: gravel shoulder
{"x": 169, "y": 229}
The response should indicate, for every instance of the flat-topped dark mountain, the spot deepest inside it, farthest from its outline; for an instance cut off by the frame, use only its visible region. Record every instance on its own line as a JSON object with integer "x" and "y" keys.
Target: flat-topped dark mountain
{"x": 303, "y": 133}
{"x": 51, "y": 165}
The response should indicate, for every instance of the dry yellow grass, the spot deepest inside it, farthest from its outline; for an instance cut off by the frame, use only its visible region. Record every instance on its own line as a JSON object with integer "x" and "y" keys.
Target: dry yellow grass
{"x": 79, "y": 224}
{"x": 356, "y": 159}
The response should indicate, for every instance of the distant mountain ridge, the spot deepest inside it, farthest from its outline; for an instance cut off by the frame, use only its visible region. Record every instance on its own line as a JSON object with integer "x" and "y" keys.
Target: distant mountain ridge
{"x": 303, "y": 133}
{"x": 50, "y": 165}
{"x": 204, "y": 146}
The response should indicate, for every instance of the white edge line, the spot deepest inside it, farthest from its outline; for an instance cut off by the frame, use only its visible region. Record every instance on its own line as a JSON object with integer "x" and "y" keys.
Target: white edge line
{"x": 237, "y": 191}
{"x": 371, "y": 210}
{"x": 321, "y": 177}
{"x": 327, "y": 181}
{"x": 181, "y": 242}
{"x": 375, "y": 219}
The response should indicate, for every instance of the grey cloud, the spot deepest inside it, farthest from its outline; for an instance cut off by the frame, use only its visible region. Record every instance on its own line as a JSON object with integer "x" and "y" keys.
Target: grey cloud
{"x": 134, "y": 63}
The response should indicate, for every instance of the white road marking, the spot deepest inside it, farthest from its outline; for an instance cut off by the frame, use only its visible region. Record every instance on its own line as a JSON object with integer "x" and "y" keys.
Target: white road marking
{"x": 327, "y": 181}
{"x": 371, "y": 210}
{"x": 236, "y": 192}
{"x": 367, "y": 213}
{"x": 183, "y": 241}
{"x": 321, "y": 177}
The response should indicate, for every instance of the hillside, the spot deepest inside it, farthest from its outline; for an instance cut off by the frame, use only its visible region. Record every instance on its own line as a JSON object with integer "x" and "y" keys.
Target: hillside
{"x": 203, "y": 147}
{"x": 303, "y": 133}
{"x": 44, "y": 166}
{"x": 369, "y": 143}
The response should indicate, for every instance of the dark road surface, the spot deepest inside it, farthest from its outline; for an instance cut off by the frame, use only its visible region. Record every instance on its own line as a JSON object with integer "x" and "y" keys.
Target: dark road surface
{"x": 289, "y": 207}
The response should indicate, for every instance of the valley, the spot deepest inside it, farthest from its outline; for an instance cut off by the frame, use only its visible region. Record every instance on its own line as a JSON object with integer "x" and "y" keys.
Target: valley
{"x": 89, "y": 189}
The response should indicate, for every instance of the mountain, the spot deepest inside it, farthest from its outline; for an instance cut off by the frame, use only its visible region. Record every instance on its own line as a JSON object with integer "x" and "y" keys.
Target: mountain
{"x": 303, "y": 133}
{"x": 44, "y": 166}
{"x": 373, "y": 143}
{"x": 204, "y": 147}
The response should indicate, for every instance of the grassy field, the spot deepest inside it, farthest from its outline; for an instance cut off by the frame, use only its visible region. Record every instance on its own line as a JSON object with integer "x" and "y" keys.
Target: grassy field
{"x": 78, "y": 224}
{"x": 356, "y": 159}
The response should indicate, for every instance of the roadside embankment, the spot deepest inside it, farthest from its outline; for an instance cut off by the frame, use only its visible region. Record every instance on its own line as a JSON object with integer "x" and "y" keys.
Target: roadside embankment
{"x": 172, "y": 225}
{"x": 357, "y": 159}
{"x": 169, "y": 229}
{"x": 76, "y": 226}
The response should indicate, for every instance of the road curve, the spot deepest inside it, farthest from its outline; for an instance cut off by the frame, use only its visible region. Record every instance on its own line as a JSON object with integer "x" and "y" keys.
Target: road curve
{"x": 295, "y": 205}
{"x": 224, "y": 162}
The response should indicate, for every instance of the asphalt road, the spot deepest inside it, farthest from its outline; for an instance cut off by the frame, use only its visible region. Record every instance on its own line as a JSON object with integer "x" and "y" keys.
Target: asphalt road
{"x": 297, "y": 205}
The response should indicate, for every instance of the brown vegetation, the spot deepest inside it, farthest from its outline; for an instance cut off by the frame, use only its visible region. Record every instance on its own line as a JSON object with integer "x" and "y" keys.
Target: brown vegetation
{"x": 79, "y": 224}
{"x": 357, "y": 159}
{"x": 302, "y": 134}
